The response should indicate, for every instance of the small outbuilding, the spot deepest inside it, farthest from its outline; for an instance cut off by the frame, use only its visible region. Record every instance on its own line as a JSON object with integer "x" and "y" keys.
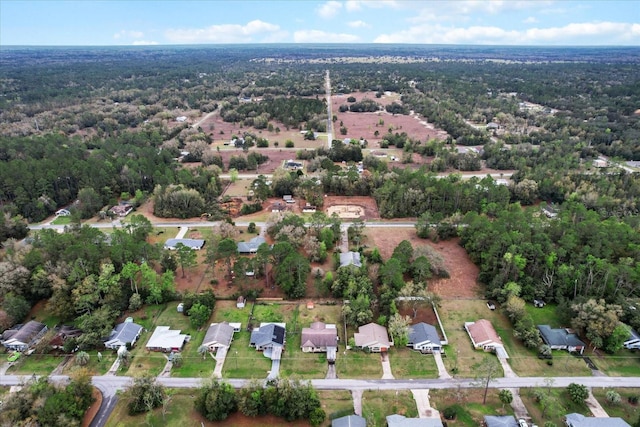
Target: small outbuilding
{"x": 240, "y": 302}
{"x": 350, "y": 258}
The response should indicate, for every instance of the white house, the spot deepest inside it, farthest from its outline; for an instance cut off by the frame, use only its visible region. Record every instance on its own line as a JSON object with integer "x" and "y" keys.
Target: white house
{"x": 166, "y": 340}
{"x": 63, "y": 212}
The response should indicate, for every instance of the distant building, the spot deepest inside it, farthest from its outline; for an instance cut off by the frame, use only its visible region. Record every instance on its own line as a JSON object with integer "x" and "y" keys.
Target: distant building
{"x": 181, "y": 119}
{"x": 250, "y": 247}
{"x": 21, "y": 337}
{"x": 123, "y": 334}
{"x": 633, "y": 342}
{"x": 579, "y": 420}
{"x": 396, "y": 420}
{"x": 63, "y": 212}
{"x": 349, "y": 421}
{"x": 240, "y": 302}
{"x": 500, "y": 421}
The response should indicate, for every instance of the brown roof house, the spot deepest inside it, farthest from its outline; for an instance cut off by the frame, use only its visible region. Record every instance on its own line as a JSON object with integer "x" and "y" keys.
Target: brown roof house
{"x": 484, "y": 337}
{"x": 320, "y": 337}
{"x": 374, "y": 337}
{"x": 21, "y": 337}
{"x": 63, "y": 334}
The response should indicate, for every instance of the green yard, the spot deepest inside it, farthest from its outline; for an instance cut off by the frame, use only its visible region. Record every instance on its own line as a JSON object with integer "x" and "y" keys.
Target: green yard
{"x": 406, "y": 363}
{"x": 622, "y": 363}
{"x": 180, "y": 413}
{"x": 95, "y": 366}
{"x": 559, "y": 405}
{"x": 469, "y": 406}
{"x": 336, "y": 404}
{"x": 243, "y": 361}
{"x": 625, "y": 410}
{"x": 297, "y": 364}
{"x": 35, "y": 364}
{"x": 358, "y": 364}
{"x": 376, "y": 405}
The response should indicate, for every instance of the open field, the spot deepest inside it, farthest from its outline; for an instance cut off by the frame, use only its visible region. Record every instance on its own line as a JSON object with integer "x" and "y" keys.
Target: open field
{"x": 625, "y": 410}
{"x": 358, "y": 364}
{"x": 377, "y": 404}
{"x": 470, "y": 410}
{"x": 95, "y": 366}
{"x": 243, "y": 361}
{"x": 407, "y": 363}
{"x": 560, "y": 405}
{"x": 35, "y": 364}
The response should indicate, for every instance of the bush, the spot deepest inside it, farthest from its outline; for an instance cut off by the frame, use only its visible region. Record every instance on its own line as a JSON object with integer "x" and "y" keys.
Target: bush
{"x": 288, "y": 143}
{"x": 613, "y": 397}
{"x": 450, "y": 413}
{"x": 252, "y": 227}
{"x": 633, "y": 400}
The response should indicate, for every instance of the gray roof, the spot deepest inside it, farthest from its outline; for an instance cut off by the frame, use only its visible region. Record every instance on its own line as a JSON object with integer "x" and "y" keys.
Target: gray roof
{"x": 396, "y": 420}
{"x": 349, "y": 421}
{"x": 125, "y": 332}
{"x": 26, "y": 332}
{"x": 318, "y": 335}
{"x": 350, "y": 258}
{"x": 196, "y": 244}
{"x": 559, "y": 337}
{"x": 500, "y": 421}
{"x": 579, "y": 420}
{"x": 221, "y": 333}
{"x": 250, "y": 246}
{"x": 421, "y": 332}
{"x": 268, "y": 334}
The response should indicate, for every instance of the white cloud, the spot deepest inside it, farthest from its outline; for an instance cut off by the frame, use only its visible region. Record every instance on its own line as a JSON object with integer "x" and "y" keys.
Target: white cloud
{"x": 358, "y": 24}
{"x": 128, "y": 34}
{"x": 530, "y": 20}
{"x": 329, "y": 9}
{"x": 144, "y": 43}
{"x": 356, "y": 5}
{"x": 317, "y": 36}
{"x": 597, "y": 33}
{"x": 254, "y": 31}
{"x": 465, "y": 10}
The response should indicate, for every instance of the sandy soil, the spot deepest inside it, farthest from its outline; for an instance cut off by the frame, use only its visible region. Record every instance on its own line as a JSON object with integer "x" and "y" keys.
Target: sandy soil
{"x": 461, "y": 284}
{"x": 368, "y": 203}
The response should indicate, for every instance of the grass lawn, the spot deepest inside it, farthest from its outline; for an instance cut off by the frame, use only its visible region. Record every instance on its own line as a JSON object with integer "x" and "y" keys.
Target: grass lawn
{"x": 161, "y": 234}
{"x": 244, "y": 361}
{"x": 62, "y": 220}
{"x": 524, "y": 361}
{"x": 560, "y": 405}
{"x": 406, "y": 363}
{"x": 226, "y": 311}
{"x": 39, "y": 364}
{"x": 240, "y": 188}
{"x": 297, "y": 364}
{"x": 468, "y": 402}
{"x": 622, "y": 363}
{"x": 143, "y": 361}
{"x": 336, "y": 404}
{"x": 180, "y": 413}
{"x": 193, "y": 365}
{"x": 624, "y": 409}
{"x": 95, "y": 366}
{"x": 376, "y": 405}
{"x": 358, "y": 364}
{"x": 546, "y": 315}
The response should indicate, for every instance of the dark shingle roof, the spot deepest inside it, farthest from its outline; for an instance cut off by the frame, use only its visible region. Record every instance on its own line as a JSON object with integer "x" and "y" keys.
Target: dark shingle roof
{"x": 500, "y": 421}
{"x": 267, "y": 334}
{"x": 559, "y": 337}
{"x": 421, "y": 332}
{"x": 349, "y": 421}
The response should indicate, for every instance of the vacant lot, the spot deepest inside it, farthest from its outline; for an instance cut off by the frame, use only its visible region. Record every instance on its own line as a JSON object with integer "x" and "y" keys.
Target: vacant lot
{"x": 377, "y": 404}
{"x": 468, "y": 402}
{"x": 358, "y": 364}
{"x": 336, "y": 403}
{"x": 367, "y": 203}
{"x": 559, "y": 405}
{"x": 407, "y": 363}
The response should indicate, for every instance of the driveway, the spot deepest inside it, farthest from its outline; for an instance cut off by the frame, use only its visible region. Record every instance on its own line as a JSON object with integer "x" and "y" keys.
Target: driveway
{"x": 357, "y": 401}
{"x": 519, "y": 410}
{"x": 386, "y": 366}
{"x": 182, "y": 232}
{"x": 331, "y": 373}
{"x": 221, "y": 355}
{"x": 508, "y": 372}
{"x": 421, "y": 396}
{"x": 594, "y": 406}
{"x": 442, "y": 370}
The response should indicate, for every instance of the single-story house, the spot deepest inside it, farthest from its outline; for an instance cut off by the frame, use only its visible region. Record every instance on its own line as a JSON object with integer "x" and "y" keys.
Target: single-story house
{"x": 291, "y": 164}
{"x": 195, "y": 244}
{"x": 374, "y": 337}
{"x": 288, "y": 199}
{"x": 63, "y": 333}
{"x": 493, "y": 126}
{"x": 218, "y": 335}
{"x": 166, "y": 340}
{"x": 500, "y": 421}
{"x": 633, "y": 342}
{"x": 561, "y": 339}
{"x": 251, "y": 247}
{"x": 396, "y": 420}
{"x": 579, "y": 420}
{"x": 484, "y": 337}
{"x": 63, "y": 212}
{"x": 308, "y": 208}
{"x": 350, "y": 258}
{"x": 320, "y": 338}
{"x": 424, "y": 337}
{"x": 269, "y": 338}
{"x": 181, "y": 119}
{"x": 121, "y": 210}
{"x": 349, "y": 421}
{"x": 126, "y": 333}
{"x": 21, "y": 337}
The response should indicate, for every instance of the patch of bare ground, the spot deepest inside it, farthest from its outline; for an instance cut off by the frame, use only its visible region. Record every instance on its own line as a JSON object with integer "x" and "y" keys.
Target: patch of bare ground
{"x": 92, "y": 411}
{"x": 462, "y": 282}
{"x": 368, "y": 203}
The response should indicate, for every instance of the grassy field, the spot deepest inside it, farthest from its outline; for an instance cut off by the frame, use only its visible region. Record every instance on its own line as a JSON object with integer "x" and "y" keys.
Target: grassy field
{"x": 240, "y": 188}
{"x": 62, "y": 220}
{"x": 243, "y": 361}
{"x": 95, "y": 366}
{"x": 38, "y": 364}
{"x": 406, "y": 363}
{"x": 523, "y": 361}
{"x": 180, "y": 413}
{"x": 560, "y": 405}
{"x": 376, "y": 405}
{"x": 296, "y": 364}
{"x": 468, "y": 402}
{"x": 358, "y": 364}
{"x": 546, "y": 315}
{"x": 622, "y": 363}
{"x": 336, "y": 404}
{"x": 624, "y": 409}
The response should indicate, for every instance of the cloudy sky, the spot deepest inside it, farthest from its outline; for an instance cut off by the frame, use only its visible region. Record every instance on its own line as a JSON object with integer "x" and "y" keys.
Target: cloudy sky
{"x": 502, "y": 22}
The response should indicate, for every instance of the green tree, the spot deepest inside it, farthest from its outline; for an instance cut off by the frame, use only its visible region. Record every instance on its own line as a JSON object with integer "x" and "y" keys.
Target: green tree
{"x": 251, "y": 399}
{"x": 198, "y": 315}
{"x": 16, "y": 307}
{"x": 186, "y": 257}
{"x": 486, "y": 370}
{"x": 203, "y": 350}
{"x": 399, "y": 329}
{"x": 505, "y": 396}
{"x": 82, "y": 358}
{"x": 130, "y": 271}
{"x": 216, "y": 400}
{"x": 578, "y": 392}
{"x": 227, "y": 249}
{"x": 144, "y": 395}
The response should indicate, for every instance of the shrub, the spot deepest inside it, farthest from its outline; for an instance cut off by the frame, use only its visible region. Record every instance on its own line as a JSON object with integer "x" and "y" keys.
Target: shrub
{"x": 450, "y": 413}
{"x": 613, "y": 397}
{"x": 289, "y": 143}
{"x": 633, "y": 400}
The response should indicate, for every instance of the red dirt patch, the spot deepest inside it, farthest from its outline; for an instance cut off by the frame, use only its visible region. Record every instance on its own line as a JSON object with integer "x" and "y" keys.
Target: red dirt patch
{"x": 464, "y": 273}
{"x": 92, "y": 411}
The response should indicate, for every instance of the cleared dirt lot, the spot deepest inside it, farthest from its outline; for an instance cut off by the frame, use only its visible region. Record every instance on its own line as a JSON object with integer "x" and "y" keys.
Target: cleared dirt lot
{"x": 461, "y": 284}
{"x": 367, "y": 203}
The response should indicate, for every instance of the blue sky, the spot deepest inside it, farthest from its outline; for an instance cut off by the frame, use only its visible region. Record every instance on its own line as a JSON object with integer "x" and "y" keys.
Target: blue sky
{"x": 509, "y": 22}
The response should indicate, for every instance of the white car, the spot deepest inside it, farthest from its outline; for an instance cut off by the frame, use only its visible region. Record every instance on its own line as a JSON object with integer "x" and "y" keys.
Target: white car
{"x": 522, "y": 423}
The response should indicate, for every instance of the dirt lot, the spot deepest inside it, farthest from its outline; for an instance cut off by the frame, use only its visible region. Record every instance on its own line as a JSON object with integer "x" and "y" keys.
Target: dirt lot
{"x": 364, "y": 125}
{"x": 461, "y": 284}
{"x": 276, "y": 157}
{"x": 368, "y": 203}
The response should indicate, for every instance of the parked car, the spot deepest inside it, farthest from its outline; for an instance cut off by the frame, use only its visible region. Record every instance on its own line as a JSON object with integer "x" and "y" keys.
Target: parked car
{"x": 539, "y": 303}
{"x": 522, "y": 423}
{"x": 14, "y": 356}
{"x": 491, "y": 305}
